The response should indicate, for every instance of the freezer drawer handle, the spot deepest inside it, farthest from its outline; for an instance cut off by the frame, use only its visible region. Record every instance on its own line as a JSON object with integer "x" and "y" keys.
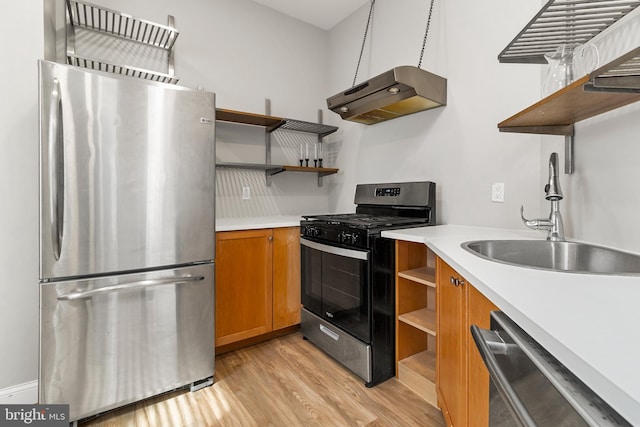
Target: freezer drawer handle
{"x": 489, "y": 344}
{"x": 56, "y": 172}
{"x": 141, "y": 284}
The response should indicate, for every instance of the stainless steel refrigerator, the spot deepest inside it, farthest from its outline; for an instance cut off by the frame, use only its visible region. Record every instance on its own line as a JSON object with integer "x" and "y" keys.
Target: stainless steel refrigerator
{"x": 126, "y": 238}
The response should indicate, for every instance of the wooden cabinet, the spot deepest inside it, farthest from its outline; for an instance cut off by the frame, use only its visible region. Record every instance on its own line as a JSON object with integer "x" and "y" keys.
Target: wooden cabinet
{"x": 416, "y": 319}
{"x": 478, "y": 313}
{"x": 257, "y": 283}
{"x": 435, "y": 352}
{"x": 462, "y": 379}
{"x": 244, "y": 289}
{"x": 286, "y": 277}
{"x": 452, "y": 345}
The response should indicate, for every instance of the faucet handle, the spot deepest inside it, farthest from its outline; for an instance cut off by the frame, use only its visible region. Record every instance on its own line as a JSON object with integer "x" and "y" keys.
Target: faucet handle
{"x": 535, "y": 224}
{"x": 525, "y": 220}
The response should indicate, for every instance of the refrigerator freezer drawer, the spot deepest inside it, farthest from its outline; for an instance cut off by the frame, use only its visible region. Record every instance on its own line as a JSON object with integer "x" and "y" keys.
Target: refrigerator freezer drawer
{"x": 110, "y": 341}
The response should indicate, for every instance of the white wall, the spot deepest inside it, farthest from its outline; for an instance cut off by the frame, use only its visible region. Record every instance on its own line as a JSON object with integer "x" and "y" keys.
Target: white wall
{"x": 245, "y": 53}
{"x": 23, "y": 35}
{"x": 457, "y": 146}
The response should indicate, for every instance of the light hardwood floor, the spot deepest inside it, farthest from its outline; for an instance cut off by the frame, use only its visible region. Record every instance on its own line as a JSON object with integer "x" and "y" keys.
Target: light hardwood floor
{"x": 283, "y": 382}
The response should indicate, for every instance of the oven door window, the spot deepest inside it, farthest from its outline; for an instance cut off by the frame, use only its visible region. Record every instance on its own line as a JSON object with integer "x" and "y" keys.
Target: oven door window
{"x": 336, "y": 286}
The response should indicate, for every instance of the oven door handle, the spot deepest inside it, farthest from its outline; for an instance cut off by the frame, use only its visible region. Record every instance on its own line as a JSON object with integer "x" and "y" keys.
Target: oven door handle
{"x": 489, "y": 344}
{"x": 335, "y": 250}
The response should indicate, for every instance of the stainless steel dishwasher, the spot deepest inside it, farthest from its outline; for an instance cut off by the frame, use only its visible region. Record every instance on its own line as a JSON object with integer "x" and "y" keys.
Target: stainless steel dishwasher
{"x": 529, "y": 387}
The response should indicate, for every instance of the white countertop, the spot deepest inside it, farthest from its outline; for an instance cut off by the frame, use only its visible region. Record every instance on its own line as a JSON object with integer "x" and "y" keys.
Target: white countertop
{"x": 589, "y": 322}
{"x": 232, "y": 224}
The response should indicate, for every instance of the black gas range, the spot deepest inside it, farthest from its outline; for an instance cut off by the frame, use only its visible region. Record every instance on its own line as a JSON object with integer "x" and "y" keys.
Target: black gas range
{"x": 354, "y": 229}
{"x": 348, "y": 275}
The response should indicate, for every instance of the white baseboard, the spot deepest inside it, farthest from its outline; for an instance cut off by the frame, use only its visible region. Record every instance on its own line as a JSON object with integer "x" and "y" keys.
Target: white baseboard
{"x": 26, "y": 393}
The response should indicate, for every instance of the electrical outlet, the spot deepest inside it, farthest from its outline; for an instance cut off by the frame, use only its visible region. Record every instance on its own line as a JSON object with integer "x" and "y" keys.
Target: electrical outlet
{"x": 246, "y": 192}
{"x": 497, "y": 192}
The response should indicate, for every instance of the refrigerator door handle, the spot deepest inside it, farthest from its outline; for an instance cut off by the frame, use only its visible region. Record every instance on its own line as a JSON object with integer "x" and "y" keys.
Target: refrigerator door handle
{"x": 56, "y": 171}
{"x": 141, "y": 284}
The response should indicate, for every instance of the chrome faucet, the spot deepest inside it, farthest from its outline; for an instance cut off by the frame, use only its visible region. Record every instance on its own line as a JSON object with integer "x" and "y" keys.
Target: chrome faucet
{"x": 553, "y": 224}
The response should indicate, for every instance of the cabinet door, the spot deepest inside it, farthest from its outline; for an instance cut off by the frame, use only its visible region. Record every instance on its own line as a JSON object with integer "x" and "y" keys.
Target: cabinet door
{"x": 451, "y": 365}
{"x": 286, "y": 277}
{"x": 478, "y": 313}
{"x": 243, "y": 285}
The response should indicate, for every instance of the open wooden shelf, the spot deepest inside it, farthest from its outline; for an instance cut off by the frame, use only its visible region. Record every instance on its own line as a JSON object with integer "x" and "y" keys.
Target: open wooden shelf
{"x": 422, "y": 363}
{"x": 612, "y": 85}
{"x": 241, "y": 117}
{"x": 416, "y": 319}
{"x": 271, "y": 123}
{"x": 320, "y": 171}
{"x": 276, "y": 169}
{"x": 424, "y": 275}
{"x": 418, "y": 372}
{"x": 557, "y": 113}
{"x": 423, "y": 319}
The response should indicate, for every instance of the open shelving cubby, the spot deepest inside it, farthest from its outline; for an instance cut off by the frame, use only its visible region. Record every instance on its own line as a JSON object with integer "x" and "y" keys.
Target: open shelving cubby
{"x": 416, "y": 325}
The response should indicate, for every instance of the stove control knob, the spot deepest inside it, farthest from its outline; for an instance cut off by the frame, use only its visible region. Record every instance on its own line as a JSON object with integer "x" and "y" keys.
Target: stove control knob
{"x": 355, "y": 238}
{"x": 344, "y": 237}
{"x": 311, "y": 231}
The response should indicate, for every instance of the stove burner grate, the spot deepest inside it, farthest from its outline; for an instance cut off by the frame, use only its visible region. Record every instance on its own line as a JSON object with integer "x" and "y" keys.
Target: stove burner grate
{"x": 365, "y": 220}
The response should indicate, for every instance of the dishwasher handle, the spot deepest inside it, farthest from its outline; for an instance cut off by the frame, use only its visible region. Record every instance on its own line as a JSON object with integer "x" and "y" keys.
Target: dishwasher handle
{"x": 489, "y": 345}
{"x": 130, "y": 286}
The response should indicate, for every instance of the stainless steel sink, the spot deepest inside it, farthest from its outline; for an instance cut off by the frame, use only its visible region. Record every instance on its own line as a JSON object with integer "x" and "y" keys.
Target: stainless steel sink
{"x": 572, "y": 257}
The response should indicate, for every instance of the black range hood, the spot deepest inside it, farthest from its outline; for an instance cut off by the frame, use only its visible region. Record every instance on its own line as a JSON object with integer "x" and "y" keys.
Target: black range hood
{"x": 398, "y": 92}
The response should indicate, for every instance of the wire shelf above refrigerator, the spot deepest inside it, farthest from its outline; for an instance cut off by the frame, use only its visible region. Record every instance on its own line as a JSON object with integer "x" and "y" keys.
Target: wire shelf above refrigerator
{"x": 125, "y": 70}
{"x": 564, "y": 22}
{"x": 112, "y": 25}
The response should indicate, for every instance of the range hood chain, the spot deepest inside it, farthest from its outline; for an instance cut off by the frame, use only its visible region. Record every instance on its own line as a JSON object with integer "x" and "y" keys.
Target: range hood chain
{"x": 364, "y": 41}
